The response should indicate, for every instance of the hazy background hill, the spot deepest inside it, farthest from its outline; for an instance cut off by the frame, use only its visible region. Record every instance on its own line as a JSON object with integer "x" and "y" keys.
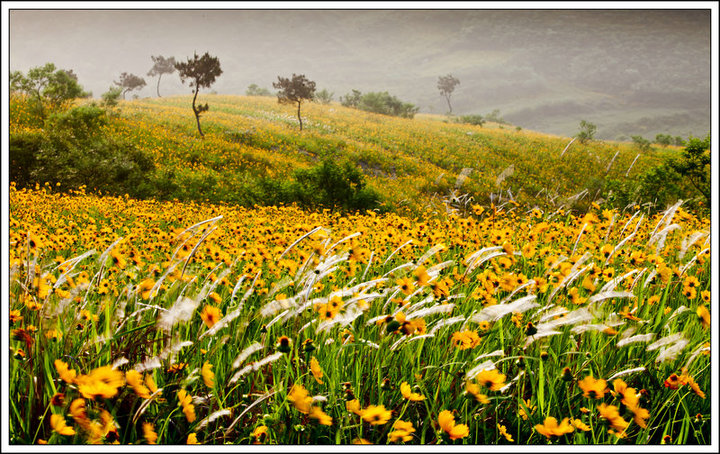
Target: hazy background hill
{"x": 631, "y": 72}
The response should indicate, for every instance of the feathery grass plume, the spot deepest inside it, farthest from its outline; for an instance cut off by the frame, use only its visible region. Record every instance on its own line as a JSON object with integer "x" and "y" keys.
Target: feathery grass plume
{"x": 622, "y": 373}
{"x": 429, "y": 253}
{"x": 408, "y": 339}
{"x": 567, "y": 146}
{"x": 701, "y": 349}
{"x": 212, "y": 417}
{"x": 258, "y": 401}
{"x": 295, "y": 243}
{"x": 277, "y": 318}
{"x": 660, "y": 237}
{"x": 436, "y": 309}
{"x": 578, "y": 238}
{"x": 690, "y": 240}
{"x": 496, "y": 312}
{"x": 509, "y": 170}
{"x": 611, "y": 161}
{"x": 571, "y": 318}
{"x": 609, "y": 294}
{"x": 194, "y": 249}
{"x": 634, "y": 339}
{"x": 685, "y": 267}
{"x": 349, "y": 237}
{"x": 464, "y": 174}
{"x": 73, "y": 262}
{"x": 398, "y": 268}
{"x": 445, "y": 322}
{"x": 538, "y": 335}
{"x": 499, "y": 353}
{"x": 245, "y": 354}
{"x": 612, "y": 283}
{"x": 372, "y": 253}
{"x": 631, "y": 165}
{"x": 601, "y": 327}
{"x": 255, "y": 366}
{"x": 181, "y": 311}
{"x": 482, "y": 259}
{"x": 671, "y": 352}
{"x": 194, "y": 226}
{"x": 155, "y": 361}
{"x": 666, "y": 217}
{"x": 486, "y": 365}
{"x": 396, "y": 251}
{"x": 667, "y": 340}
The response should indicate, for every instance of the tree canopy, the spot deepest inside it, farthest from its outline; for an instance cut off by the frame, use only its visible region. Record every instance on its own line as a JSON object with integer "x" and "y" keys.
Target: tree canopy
{"x": 446, "y": 85}
{"x": 49, "y": 88}
{"x": 200, "y": 72}
{"x": 295, "y": 90}
{"x": 129, "y": 82}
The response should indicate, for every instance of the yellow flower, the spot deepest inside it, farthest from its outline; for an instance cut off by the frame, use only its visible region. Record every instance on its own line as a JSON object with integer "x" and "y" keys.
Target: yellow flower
{"x": 474, "y": 389}
{"x": 611, "y": 413}
{"x": 354, "y": 407}
{"x": 421, "y": 276}
{"x": 406, "y": 285}
{"x": 259, "y": 435}
{"x": 192, "y": 439}
{"x": 402, "y": 430}
{"x": 210, "y": 315}
{"x": 58, "y": 425}
{"x": 580, "y": 425}
{"x": 68, "y": 375}
{"x": 408, "y": 394}
{"x": 316, "y": 370}
{"x": 503, "y": 431}
{"x": 185, "y": 400}
{"x": 704, "y": 316}
{"x": 361, "y": 441}
{"x": 446, "y": 420}
{"x": 593, "y": 388}
{"x": 208, "y": 375}
{"x": 298, "y": 395}
{"x": 101, "y": 382}
{"x": 135, "y": 379}
{"x": 531, "y": 408}
{"x": 491, "y": 379}
{"x": 376, "y": 415}
{"x": 149, "y": 433}
{"x": 467, "y": 339}
{"x": 321, "y": 416}
{"x": 551, "y": 428}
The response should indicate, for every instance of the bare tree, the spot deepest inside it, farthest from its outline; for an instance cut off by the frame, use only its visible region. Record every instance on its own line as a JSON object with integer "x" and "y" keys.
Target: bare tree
{"x": 295, "y": 91}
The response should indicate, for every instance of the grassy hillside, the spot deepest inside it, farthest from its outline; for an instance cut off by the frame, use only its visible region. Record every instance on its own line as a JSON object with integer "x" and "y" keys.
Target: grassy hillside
{"x": 412, "y": 163}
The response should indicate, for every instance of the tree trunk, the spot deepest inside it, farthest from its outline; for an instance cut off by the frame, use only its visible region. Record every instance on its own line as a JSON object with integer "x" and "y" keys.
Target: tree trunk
{"x": 195, "y": 111}
{"x": 158, "y": 86}
{"x": 299, "y": 118}
{"x": 448, "y": 101}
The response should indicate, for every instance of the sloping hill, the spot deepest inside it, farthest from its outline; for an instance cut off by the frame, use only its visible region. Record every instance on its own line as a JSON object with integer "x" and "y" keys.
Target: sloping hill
{"x": 413, "y": 163}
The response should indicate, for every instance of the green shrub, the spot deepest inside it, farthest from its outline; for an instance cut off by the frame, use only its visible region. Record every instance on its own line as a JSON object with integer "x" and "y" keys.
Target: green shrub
{"x": 473, "y": 119}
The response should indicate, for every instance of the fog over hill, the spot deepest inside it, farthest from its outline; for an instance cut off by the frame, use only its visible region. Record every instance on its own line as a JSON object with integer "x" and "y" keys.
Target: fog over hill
{"x": 631, "y": 72}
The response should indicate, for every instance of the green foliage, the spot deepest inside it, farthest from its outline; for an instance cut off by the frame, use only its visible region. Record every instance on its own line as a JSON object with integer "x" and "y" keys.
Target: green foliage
{"x": 473, "y": 119}
{"x": 495, "y": 117}
{"x": 255, "y": 90}
{"x": 587, "y": 131}
{"x": 111, "y": 97}
{"x": 663, "y": 139}
{"x": 327, "y": 185}
{"x": 324, "y": 96}
{"x": 49, "y": 88}
{"x": 380, "y": 102}
{"x": 694, "y": 165}
{"x": 351, "y": 99}
{"x": 75, "y": 150}
{"x": 641, "y": 143}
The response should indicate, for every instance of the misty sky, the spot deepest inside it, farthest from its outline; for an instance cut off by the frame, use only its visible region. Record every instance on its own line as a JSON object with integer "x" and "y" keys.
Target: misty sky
{"x": 517, "y": 61}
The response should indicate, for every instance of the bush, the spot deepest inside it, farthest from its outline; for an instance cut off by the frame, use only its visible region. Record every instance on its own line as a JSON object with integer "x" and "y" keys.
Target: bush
{"x": 587, "y": 131}
{"x": 74, "y": 150}
{"x": 474, "y": 119}
{"x": 379, "y": 102}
